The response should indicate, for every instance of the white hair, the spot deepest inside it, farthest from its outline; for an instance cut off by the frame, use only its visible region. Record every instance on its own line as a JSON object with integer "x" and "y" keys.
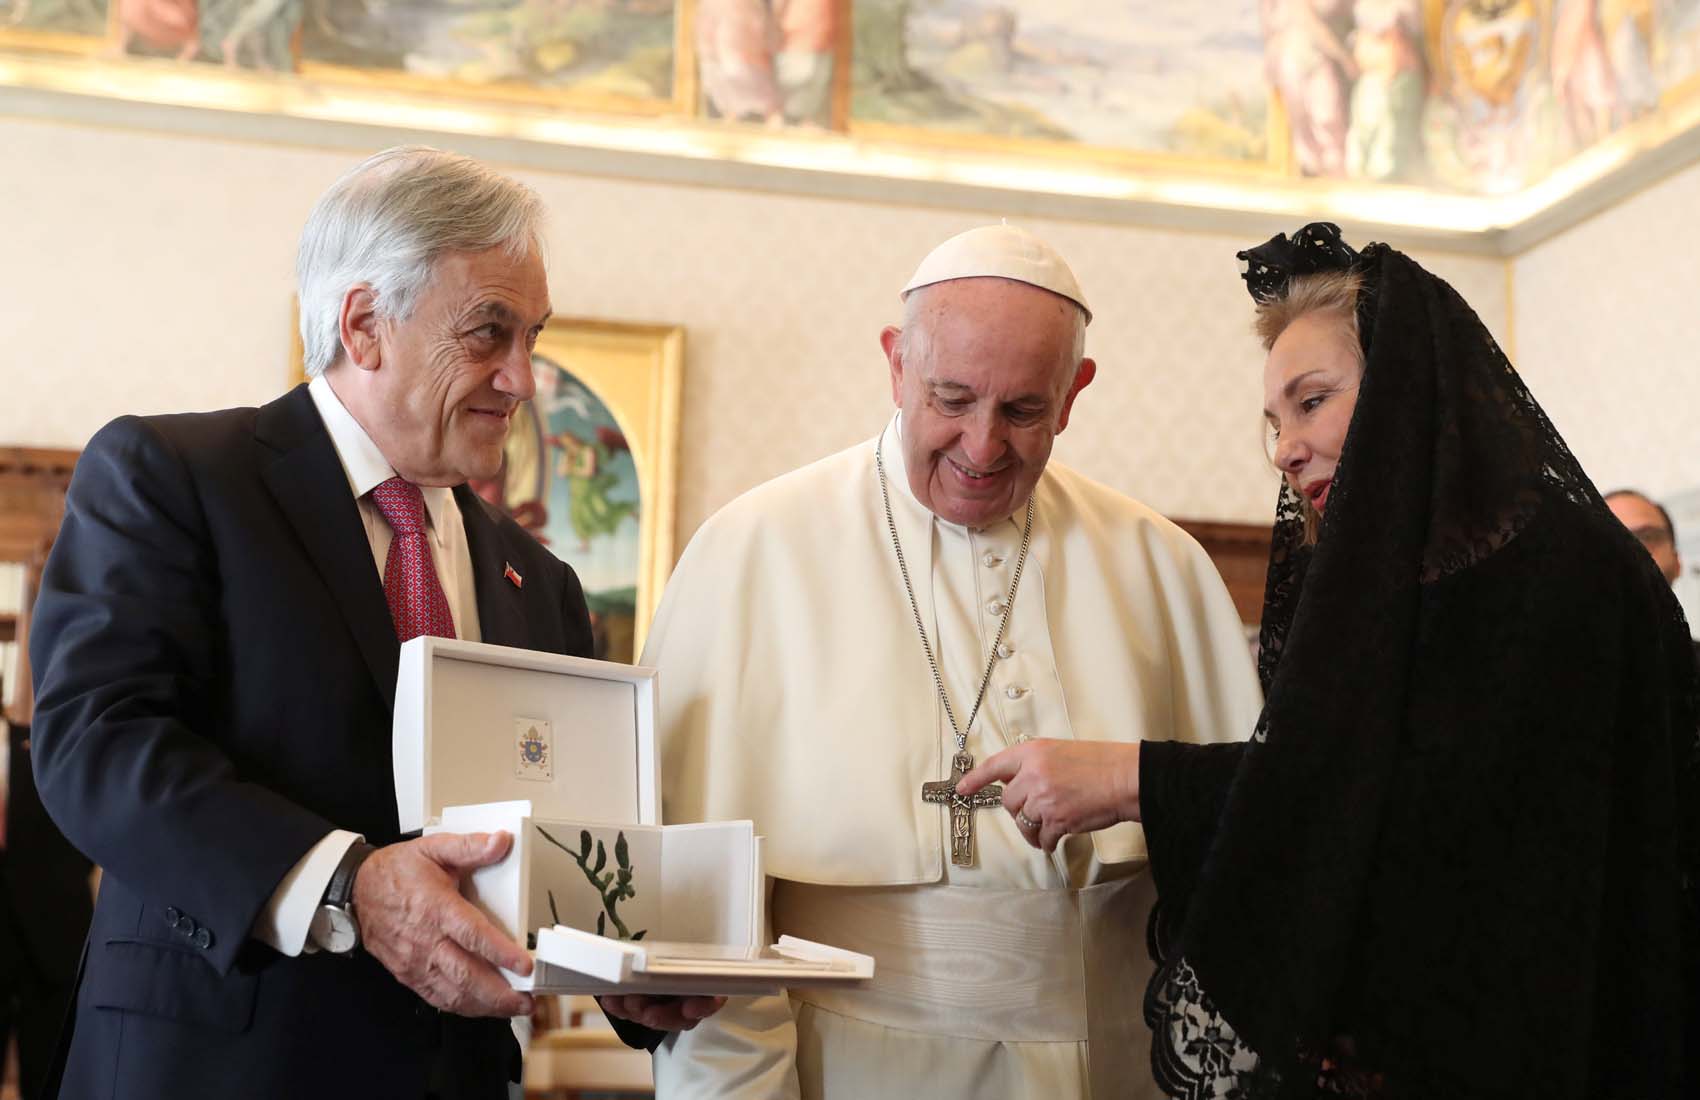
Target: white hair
{"x": 385, "y": 224}
{"x": 914, "y": 338}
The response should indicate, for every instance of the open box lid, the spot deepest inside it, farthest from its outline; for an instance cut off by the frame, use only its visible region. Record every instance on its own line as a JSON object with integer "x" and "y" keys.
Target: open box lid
{"x": 486, "y": 723}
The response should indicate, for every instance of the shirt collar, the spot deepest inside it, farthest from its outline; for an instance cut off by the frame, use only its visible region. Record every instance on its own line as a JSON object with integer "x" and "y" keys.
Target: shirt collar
{"x": 362, "y": 462}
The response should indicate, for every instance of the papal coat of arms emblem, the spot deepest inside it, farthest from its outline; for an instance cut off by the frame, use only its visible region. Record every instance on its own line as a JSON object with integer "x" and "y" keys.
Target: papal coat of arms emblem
{"x": 535, "y": 756}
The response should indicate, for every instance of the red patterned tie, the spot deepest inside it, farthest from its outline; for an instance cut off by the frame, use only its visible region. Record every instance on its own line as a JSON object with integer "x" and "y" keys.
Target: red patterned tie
{"x": 417, "y": 603}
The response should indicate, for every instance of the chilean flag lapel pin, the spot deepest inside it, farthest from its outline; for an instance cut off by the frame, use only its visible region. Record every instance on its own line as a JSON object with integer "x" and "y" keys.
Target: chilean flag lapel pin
{"x": 513, "y": 576}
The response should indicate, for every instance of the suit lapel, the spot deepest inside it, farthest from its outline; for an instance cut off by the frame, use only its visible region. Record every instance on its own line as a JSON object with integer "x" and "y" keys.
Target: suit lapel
{"x": 310, "y": 486}
{"x": 501, "y": 612}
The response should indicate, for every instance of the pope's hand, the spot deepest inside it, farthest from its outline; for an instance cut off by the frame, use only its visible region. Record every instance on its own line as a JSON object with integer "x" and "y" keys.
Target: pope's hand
{"x": 438, "y": 944}
{"x": 662, "y": 1013}
{"x": 1055, "y": 788}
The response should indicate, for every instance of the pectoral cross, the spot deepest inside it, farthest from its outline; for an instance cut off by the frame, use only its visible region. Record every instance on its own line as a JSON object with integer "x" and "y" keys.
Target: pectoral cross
{"x": 961, "y": 808}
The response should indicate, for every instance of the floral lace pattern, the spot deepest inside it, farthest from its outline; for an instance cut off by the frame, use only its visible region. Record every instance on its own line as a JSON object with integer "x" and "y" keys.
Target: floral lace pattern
{"x": 1195, "y": 1054}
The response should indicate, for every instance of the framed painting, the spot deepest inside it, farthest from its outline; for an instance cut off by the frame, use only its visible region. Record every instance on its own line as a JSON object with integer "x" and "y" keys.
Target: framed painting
{"x": 591, "y": 462}
{"x": 247, "y": 34}
{"x": 56, "y": 26}
{"x": 1168, "y": 79}
{"x": 623, "y": 56}
{"x": 774, "y": 62}
{"x": 262, "y": 35}
{"x": 1676, "y": 48}
{"x": 590, "y": 465}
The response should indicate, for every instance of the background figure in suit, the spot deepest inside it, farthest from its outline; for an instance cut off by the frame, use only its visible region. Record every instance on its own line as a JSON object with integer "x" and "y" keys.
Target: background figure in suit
{"x": 215, "y": 650}
{"x": 45, "y": 907}
{"x": 46, "y": 896}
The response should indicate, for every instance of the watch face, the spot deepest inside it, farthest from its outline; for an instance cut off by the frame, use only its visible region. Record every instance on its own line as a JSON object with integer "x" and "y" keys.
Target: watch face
{"x": 334, "y": 930}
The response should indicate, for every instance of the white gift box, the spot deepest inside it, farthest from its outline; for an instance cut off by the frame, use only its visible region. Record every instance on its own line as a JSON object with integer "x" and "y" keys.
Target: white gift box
{"x": 560, "y": 753}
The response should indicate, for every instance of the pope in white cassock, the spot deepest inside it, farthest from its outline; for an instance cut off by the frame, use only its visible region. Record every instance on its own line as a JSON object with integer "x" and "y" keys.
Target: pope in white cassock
{"x": 838, "y": 644}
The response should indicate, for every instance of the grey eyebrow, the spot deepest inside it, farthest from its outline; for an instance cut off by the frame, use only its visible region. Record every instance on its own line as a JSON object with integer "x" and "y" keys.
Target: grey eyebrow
{"x": 501, "y": 311}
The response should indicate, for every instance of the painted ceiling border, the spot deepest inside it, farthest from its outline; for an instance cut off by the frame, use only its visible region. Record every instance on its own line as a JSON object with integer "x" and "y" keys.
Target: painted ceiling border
{"x": 257, "y": 108}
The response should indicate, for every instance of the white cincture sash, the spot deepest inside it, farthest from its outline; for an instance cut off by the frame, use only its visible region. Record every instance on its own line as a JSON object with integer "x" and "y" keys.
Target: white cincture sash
{"x": 1061, "y": 966}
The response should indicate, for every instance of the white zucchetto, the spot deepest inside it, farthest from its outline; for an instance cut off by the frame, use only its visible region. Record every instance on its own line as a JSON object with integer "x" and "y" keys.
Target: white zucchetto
{"x": 999, "y": 251}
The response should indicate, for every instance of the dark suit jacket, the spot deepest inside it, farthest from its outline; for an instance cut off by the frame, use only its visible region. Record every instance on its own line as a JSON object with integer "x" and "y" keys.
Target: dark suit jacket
{"x": 215, "y": 669}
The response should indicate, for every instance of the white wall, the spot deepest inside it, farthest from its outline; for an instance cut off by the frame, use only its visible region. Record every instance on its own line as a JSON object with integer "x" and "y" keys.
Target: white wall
{"x": 1608, "y": 326}
{"x": 1608, "y": 335}
{"x": 144, "y": 272}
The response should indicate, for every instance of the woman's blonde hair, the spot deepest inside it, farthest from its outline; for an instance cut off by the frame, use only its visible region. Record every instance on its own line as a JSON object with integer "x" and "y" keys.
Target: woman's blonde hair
{"x": 1334, "y": 292}
{"x": 1329, "y": 292}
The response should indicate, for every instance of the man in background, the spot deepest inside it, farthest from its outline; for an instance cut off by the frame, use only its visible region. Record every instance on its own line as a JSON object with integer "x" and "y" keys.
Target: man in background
{"x": 1651, "y": 525}
{"x": 1648, "y": 521}
{"x": 46, "y": 897}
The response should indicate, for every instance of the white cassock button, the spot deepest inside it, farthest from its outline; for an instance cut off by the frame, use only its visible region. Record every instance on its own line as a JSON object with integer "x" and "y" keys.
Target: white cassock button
{"x": 1015, "y": 691}
{"x": 1005, "y": 651}
{"x": 1021, "y": 738}
{"x": 992, "y": 560}
{"x": 995, "y": 608}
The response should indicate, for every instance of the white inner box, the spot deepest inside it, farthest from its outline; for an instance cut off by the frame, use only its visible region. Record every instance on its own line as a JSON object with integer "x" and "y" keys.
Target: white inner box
{"x": 560, "y": 753}
{"x": 456, "y": 742}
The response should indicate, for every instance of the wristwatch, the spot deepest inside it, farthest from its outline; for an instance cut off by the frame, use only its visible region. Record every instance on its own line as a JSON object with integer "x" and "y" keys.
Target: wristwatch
{"x": 335, "y": 928}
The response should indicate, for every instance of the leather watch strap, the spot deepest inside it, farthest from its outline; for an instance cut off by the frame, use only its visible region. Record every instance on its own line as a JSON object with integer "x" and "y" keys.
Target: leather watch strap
{"x": 340, "y": 891}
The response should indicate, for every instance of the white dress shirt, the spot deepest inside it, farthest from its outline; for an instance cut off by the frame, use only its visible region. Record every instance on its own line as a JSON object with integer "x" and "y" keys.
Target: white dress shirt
{"x": 286, "y": 919}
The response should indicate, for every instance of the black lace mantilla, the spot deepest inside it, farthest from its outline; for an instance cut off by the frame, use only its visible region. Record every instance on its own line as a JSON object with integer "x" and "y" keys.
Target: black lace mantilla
{"x": 1452, "y": 861}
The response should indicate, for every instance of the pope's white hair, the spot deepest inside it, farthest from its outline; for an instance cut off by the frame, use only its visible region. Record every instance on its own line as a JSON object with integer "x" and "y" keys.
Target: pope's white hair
{"x": 388, "y": 221}
{"x": 914, "y": 337}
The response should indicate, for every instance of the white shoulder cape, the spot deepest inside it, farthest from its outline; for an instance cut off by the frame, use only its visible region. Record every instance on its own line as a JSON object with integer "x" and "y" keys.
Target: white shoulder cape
{"x": 793, "y": 690}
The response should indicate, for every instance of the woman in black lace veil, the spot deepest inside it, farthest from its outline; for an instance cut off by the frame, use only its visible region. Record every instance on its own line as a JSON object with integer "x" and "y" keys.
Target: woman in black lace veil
{"x": 1456, "y": 858}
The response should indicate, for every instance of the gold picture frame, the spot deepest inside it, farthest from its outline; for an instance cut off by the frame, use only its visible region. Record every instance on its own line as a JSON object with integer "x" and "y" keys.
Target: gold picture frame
{"x": 635, "y": 371}
{"x": 592, "y": 465}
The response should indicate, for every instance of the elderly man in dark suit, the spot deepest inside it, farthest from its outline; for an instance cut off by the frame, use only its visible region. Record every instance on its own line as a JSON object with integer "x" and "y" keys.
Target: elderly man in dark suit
{"x": 215, "y": 652}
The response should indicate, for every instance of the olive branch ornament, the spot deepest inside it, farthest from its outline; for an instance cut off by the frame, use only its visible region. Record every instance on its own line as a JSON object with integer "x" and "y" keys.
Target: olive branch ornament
{"x": 614, "y": 886}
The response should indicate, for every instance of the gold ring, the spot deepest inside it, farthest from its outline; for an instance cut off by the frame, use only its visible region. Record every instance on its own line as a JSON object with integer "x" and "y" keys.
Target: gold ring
{"x": 1024, "y": 821}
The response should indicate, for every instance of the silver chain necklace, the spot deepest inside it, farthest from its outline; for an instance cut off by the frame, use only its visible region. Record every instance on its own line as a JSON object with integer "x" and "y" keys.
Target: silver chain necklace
{"x": 943, "y": 792}
{"x": 920, "y": 628}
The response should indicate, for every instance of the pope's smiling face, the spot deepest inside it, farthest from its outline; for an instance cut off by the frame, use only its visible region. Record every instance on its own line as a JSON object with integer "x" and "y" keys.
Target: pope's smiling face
{"x": 986, "y": 378}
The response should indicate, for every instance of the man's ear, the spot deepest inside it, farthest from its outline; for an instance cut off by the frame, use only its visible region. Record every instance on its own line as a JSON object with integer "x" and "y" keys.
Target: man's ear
{"x": 1083, "y": 376}
{"x": 891, "y": 342}
{"x": 357, "y": 324}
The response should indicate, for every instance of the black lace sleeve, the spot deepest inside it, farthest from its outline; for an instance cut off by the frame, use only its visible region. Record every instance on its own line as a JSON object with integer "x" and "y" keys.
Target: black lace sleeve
{"x": 1182, "y": 788}
{"x": 1195, "y": 1054}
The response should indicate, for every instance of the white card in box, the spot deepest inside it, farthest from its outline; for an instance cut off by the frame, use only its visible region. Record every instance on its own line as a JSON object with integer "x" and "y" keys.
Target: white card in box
{"x": 560, "y": 752}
